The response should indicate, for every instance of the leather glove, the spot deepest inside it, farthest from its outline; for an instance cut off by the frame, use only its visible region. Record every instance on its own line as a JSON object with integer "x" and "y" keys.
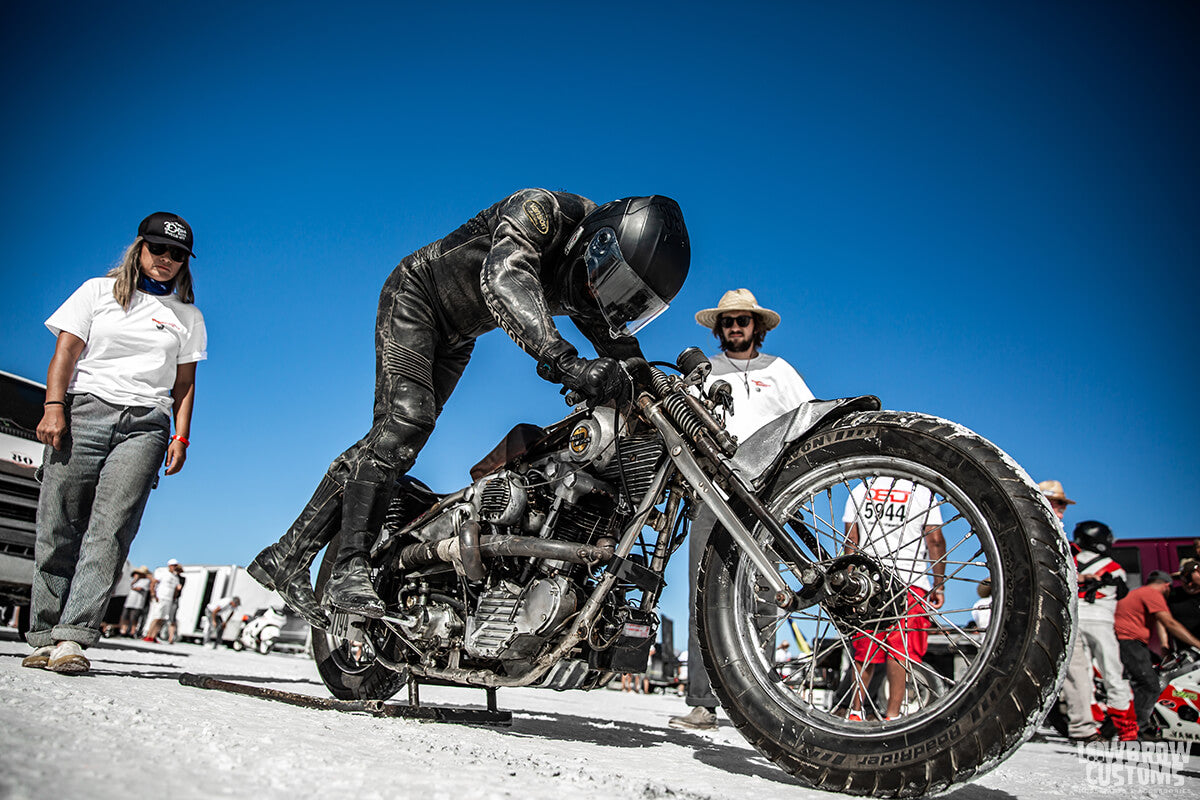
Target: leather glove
{"x": 595, "y": 379}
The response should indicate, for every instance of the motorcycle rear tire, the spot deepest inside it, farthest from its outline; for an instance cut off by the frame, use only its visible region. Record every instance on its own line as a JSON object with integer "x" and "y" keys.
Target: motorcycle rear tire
{"x": 347, "y": 681}
{"x": 985, "y": 719}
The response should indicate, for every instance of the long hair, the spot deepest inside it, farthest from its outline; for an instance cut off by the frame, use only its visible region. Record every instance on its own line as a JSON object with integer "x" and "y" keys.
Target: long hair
{"x": 129, "y": 269}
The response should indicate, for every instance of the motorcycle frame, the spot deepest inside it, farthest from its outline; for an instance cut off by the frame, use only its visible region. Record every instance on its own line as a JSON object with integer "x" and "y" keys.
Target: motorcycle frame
{"x": 682, "y": 460}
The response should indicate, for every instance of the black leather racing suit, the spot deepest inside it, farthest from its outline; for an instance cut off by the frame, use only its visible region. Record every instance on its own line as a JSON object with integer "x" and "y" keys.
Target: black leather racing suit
{"x": 504, "y": 267}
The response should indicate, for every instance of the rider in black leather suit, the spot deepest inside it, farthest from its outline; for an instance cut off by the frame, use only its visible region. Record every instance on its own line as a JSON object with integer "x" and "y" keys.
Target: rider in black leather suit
{"x": 533, "y": 255}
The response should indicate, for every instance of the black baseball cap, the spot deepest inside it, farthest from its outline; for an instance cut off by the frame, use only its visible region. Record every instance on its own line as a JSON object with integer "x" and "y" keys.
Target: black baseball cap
{"x": 163, "y": 227}
{"x": 1158, "y": 576}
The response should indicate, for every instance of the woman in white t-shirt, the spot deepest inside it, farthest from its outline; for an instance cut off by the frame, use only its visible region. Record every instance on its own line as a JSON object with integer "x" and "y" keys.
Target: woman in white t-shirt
{"x": 124, "y": 363}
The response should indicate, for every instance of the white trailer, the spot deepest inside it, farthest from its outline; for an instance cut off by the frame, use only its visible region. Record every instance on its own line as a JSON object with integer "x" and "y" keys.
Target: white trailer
{"x": 206, "y": 583}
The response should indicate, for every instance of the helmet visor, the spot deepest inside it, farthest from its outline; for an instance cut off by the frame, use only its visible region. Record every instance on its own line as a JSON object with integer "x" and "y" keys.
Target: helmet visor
{"x": 627, "y": 303}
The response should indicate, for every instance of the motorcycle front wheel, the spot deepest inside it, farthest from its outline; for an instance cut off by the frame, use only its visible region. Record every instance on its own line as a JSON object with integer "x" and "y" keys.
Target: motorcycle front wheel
{"x": 970, "y": 696}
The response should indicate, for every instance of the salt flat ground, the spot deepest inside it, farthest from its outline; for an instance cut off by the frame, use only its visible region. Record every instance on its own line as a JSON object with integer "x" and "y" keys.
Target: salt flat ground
{"x": 129, "y": 726}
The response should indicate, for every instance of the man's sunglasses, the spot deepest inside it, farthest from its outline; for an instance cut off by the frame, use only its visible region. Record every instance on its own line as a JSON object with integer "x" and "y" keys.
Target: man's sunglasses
{"x": 176, "y": 253}
{"x": 742, "y": 320}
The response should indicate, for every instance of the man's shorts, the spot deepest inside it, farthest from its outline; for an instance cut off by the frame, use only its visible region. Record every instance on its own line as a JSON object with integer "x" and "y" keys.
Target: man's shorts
{"x": 132, "y": 616}
{"x": 908, "y": 639}
{"x": 160, "y": 609}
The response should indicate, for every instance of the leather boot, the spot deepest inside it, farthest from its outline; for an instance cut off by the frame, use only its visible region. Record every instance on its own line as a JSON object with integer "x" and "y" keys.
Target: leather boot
{"x": 349, "y": 588}
{"x": 283, "y": 567}
{"x": 1126, "y": 721}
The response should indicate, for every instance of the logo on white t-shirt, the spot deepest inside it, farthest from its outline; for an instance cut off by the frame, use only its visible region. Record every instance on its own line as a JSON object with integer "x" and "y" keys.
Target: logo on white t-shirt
{"x": 160, "y": 324}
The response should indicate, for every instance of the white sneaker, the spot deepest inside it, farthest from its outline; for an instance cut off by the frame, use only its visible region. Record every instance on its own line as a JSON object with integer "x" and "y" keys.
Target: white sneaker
{"x": 698, "y": 719}
{"x": 39, "y": 658}
{"x": 68, "y": 657}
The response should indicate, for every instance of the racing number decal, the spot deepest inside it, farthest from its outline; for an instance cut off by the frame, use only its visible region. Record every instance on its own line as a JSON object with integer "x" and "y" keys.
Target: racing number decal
{"x": 886, "y": 504}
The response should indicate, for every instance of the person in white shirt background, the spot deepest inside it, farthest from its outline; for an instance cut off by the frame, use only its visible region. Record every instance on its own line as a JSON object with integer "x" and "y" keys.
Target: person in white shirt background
{"x": 124, "y": 363}
{"x": 165, "y": 588}
{"x": 764, "y": 388}
{"x": 135, "y": 602}
{"x": 899, "y": 524}
{"x": 216, "y": 616}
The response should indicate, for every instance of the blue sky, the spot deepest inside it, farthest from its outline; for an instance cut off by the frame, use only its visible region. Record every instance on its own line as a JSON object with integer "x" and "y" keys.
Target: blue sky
{"x": 986, "y": 212}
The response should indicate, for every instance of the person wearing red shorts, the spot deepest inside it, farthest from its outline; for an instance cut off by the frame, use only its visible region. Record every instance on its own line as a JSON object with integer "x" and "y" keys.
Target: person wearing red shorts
{"x": 897, "y": 523}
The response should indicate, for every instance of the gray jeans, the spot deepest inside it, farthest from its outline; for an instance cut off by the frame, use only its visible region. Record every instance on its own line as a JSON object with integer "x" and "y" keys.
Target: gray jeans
{"x": 94, "y": 491}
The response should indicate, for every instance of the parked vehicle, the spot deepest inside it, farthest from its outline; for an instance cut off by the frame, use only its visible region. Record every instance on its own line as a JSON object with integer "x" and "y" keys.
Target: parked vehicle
{"x": 205, "y": 583}
{"x": 20, "y": 455}
{"x": 1177, "y": 712}
{"x": 274, "y": 628}
{"x": 1141, "y": 556}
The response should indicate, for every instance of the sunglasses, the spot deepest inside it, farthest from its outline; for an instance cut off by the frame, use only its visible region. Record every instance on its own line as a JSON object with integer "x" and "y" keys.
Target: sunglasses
{"x": 742, "y": 320}
{"x": 174, "y": 253}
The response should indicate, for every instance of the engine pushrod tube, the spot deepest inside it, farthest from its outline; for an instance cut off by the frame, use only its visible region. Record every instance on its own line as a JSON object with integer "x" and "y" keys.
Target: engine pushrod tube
{"x": 706, "y": 491}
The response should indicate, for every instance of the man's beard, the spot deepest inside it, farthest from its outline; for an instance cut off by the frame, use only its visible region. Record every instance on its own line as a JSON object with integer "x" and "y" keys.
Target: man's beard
{"x": 737, "y": 347}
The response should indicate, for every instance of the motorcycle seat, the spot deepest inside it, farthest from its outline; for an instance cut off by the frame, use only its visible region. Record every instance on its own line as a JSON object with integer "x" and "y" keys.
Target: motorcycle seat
{"x": 514, "y": 445}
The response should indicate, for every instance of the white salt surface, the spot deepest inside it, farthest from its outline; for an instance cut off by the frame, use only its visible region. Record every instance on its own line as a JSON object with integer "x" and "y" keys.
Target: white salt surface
{"x": 129, "y": 726}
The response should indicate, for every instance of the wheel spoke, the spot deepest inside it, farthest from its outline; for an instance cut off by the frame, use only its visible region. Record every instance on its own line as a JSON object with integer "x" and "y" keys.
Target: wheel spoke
{"x": 897, "y": 547}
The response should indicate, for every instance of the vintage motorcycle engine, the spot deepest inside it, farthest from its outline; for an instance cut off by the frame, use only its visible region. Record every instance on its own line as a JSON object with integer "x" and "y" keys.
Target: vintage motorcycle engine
{"x": 510, "y": 622}
{"x": 510, "y": 606}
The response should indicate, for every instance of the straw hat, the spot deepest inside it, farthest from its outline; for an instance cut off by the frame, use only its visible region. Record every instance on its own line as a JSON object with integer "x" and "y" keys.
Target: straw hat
{"x": 737, "y": 300}
{"x": 1054, "y": 491}
{"x": 142, "y": 570}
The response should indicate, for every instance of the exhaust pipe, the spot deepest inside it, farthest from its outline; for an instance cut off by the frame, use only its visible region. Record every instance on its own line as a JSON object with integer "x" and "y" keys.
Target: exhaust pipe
{"x": 466, "y": 551}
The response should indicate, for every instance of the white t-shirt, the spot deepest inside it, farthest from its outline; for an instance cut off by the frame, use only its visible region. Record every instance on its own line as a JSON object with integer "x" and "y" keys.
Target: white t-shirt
{"x": 139, "y": 592}
{"x": 164, "y": 592}
{"x": 981, "y": 612}
{"x": 223, "y": 607}
{"x": 764, "y": 388}
{"x": 129, "y": 357}
{"x": 891, "y": 525}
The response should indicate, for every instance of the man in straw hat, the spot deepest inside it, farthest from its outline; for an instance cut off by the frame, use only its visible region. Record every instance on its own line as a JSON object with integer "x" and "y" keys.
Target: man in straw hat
{"x": 1053, "y": 490}
{"x": 764, "y": 388}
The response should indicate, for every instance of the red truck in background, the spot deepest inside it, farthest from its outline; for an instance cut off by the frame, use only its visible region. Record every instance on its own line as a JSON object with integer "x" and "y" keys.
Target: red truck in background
{"x": 1140, "y": 557}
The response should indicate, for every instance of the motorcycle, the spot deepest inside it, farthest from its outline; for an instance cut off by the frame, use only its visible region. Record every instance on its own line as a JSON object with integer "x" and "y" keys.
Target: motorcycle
{"x": 269, "y": 629}
{"x": 1176, "y": 715}
{"x": 1177, "y": 711}
{"x": 546, "y": 571}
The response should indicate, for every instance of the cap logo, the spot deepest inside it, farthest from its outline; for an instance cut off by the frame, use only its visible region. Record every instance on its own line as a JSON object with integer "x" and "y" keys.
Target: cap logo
{"x": 174, "y": 229}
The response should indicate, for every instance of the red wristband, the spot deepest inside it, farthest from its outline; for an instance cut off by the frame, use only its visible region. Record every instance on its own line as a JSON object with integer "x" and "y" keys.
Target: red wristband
{"x": 178, "y": 438}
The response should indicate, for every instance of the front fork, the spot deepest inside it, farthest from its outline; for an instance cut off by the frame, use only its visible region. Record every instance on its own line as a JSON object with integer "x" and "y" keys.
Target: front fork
{"x": 798, "y": 563}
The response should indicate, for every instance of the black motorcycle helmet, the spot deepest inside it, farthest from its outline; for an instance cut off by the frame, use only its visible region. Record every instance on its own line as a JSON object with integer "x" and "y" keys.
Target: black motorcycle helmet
{"x": 630, "y": 258}
{"x": 1093, "y": 536}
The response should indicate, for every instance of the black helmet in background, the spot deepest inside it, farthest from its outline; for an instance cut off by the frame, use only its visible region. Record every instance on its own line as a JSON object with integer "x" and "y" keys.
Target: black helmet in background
{"x": 1093, "y": 536}
{"x": 630, "y": 258}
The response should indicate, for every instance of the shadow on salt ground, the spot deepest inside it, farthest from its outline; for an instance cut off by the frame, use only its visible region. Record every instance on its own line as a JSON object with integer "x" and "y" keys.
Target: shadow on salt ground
{"x": 615, "y": 733}
{"x": 972, "y": 792}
